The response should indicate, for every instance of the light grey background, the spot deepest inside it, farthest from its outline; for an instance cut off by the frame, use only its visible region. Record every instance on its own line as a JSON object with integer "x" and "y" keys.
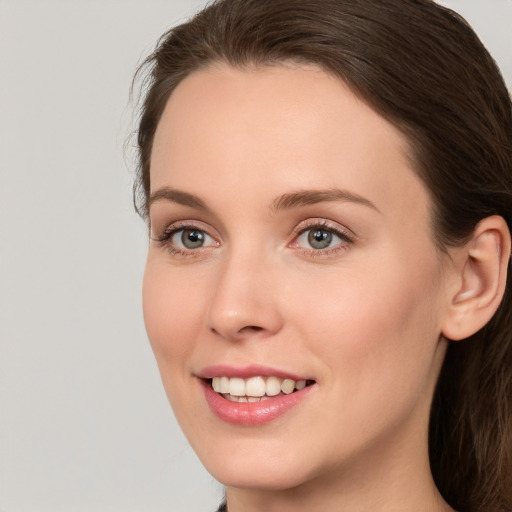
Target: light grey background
{"x": 84, "y": 422}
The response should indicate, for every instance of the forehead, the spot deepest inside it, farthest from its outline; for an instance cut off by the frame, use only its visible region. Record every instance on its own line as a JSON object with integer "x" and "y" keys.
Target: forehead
{"x": 275, "y": 128}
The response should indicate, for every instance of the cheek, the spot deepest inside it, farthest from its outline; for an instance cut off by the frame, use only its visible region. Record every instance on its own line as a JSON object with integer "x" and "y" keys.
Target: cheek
{"x": 372, "y": 324}
{"x": 173, "y": 317}
{"x": 170, "y": 313}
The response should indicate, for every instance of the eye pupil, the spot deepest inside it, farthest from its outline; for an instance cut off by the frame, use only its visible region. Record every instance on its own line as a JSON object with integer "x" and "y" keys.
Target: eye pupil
{"x": 192, "y": 238}
{"x": 319, "y": 238}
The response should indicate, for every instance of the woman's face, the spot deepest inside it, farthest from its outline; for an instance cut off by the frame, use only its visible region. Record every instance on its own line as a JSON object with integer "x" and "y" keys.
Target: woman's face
{"x": 291, "y": 241}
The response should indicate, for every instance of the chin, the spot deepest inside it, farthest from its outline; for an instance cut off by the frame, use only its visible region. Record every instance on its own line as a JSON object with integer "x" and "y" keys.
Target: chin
{"x": 262, "y": 479}
{"x": 256, "y": 468}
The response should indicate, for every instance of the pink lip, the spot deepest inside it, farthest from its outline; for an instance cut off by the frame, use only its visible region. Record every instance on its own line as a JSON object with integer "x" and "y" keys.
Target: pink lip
{"x": 254, "y": 413}
{"x": 246, "y": 372}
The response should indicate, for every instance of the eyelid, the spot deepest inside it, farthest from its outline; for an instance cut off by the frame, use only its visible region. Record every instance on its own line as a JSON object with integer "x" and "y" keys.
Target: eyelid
{"x": 319, "y": 222}
{"x": 169, "y": 229}
{"x": 347, "y": 236}
{"x": 164, "y": 239}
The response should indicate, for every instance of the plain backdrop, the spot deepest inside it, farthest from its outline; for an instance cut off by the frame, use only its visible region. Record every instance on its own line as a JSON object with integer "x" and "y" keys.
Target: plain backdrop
{"x": 84, "y": 422}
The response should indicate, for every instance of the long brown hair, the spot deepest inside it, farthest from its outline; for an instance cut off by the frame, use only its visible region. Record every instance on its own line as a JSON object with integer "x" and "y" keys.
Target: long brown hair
{"x": 422, "y": 68}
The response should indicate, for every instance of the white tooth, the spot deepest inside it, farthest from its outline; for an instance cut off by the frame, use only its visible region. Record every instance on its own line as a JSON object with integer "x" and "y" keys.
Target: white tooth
{"x": 253, "y": 399}
{"x": 216, "y": 384}
{"x": 255, "y": 386}
{"x": 242, "y": 399}
{"x": 273, "y": 386}
{"x": 288, "y": 386}
{"x": 301, "y": 384}
{"x": 224, "y": 385}
{"x": 231, "y": 398}
{"x": 236, "y": 386}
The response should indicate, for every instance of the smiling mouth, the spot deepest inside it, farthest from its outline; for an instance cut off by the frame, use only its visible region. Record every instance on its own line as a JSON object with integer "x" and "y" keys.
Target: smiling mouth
{"x": 255, "y": 389}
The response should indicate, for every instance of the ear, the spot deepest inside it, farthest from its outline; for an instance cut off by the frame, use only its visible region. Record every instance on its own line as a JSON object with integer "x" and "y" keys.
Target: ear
{"x": 480, "y": 278}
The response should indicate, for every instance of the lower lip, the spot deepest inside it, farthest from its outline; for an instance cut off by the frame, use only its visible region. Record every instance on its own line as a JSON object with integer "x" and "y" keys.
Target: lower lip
{"x": 252, "y": 413}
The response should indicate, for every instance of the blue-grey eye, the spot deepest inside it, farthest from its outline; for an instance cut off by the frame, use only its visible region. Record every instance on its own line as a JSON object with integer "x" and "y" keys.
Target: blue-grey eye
{"x": 191, "y": 239}
{"x": 319, "y": 238}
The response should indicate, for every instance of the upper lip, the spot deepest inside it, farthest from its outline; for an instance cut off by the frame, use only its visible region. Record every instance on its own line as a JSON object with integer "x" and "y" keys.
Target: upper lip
{"x": 245, "y": 372}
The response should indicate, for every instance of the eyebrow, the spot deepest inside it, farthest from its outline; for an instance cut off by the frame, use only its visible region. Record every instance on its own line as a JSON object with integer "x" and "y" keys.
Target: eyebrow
{"x": 308, "y": 197}
{"x": 176, "y": 196}
{"x": 284, "y": 202}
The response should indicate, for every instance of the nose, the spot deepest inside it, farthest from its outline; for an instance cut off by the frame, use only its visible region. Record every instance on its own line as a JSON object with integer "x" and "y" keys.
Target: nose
{"x": 245, "y": 300}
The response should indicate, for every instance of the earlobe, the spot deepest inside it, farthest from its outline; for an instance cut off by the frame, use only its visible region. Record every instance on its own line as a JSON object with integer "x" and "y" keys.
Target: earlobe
{"x": 482, "y": 274}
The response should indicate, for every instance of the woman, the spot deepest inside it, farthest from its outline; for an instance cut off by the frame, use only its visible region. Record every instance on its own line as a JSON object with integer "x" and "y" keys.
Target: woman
{"x": 328, "y": 189}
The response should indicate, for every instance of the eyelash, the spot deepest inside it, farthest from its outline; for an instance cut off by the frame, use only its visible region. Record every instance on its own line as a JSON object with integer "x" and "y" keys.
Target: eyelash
{"x": 346, "y": 237}
{"x": 165, "y": 240}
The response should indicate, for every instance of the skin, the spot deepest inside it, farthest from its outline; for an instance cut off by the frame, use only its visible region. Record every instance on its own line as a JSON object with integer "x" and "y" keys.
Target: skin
{"x": 362, "y": 317}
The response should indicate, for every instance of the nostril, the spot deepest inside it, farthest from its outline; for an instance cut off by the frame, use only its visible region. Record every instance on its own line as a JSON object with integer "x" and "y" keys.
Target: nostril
{"x": 248, "y": 329}
{"x": 251, "y": 328}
